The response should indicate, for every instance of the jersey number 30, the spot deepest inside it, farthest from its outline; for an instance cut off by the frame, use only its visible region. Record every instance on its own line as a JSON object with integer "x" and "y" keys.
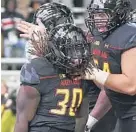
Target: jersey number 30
{"x": 63, "y": 105}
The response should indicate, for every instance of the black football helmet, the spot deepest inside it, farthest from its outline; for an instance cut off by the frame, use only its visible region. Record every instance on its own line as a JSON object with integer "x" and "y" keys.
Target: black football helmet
{"x": 106, "y": 15}
{"x": 53, "y": 14}
{"x": 68, "y": 48}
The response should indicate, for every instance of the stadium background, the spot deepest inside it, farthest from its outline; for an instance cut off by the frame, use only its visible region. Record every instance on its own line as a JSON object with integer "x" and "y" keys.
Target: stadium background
{"x": 13, "y": 54}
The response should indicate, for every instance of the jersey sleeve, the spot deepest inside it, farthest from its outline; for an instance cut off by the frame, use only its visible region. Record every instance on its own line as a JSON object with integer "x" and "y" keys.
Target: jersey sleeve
{"x": 128, "y": 39}
{"x": 29, "y": 76}
{"x": 36, "y": 74}
{"x": 123, "y": 38}
{"x": 131, "y": 43}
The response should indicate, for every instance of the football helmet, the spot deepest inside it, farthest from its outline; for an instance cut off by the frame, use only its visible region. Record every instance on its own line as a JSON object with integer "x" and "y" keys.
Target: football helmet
{"x": 53, "y": 14}
{"x": 106, "y": 15}
{"x": 68, "y": 48}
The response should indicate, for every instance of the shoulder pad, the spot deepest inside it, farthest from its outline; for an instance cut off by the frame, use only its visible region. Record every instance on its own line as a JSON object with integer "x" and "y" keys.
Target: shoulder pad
{"x": 29, "y": 75}
{"x": 124, "y": 37}
{"x": 43, "y": 67}
{"x": 131, "y": 32}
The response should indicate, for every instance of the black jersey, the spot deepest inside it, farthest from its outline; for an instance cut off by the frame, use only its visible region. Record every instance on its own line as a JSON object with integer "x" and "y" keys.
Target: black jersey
{"x": 107, "y": 55}
{"x": 93, "y": 93}
{"x": 93, "y": 90}
{"x": 60, "y": 96}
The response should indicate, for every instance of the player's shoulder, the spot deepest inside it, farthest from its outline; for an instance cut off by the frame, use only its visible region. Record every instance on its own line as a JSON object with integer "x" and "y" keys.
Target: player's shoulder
{"x": 43, "y": 66}
{"x": 124, "y": 37}
{"x": 131, "y": 25}
{"x": 36, "y": 68}
{"x": 128, "y": 28}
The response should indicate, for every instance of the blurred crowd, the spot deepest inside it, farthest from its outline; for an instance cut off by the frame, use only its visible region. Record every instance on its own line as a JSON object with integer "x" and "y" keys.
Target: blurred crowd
{"x": 12, "y": 45}
{"x": 8, "y": 108}
{"x": 13, "y": 11}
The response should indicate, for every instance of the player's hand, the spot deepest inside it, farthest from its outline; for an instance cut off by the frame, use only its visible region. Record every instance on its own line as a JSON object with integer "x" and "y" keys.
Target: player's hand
{"x": 28, "y": 28}
{"x": 39, "y": 42}
{"x": 95, "y": 74}
{"x": 89, "y": 73}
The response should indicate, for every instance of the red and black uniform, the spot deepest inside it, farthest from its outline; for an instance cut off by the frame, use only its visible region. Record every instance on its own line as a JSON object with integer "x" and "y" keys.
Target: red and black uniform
{"x": 107, "y": 55}
{"x": 60, "y": 97}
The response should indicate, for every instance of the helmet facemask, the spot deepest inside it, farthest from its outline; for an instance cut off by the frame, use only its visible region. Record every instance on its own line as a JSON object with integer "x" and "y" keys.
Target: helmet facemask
{"x": 99, "y": 21}
{"x": 105, "y": 17}
{"x": 70, "y": 51}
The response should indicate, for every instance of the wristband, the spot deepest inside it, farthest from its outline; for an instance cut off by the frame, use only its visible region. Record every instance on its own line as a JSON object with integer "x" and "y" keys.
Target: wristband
{"x": 91, "y": 121}
{"x": 100, "y": 76}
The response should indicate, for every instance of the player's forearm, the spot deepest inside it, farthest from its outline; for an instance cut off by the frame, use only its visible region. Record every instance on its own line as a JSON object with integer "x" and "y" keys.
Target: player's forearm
{"x": 121, "y": 83}
{"x": 21, "y": 125}
{"x": 116, "y": 82}
{"x": 102, "y": 106}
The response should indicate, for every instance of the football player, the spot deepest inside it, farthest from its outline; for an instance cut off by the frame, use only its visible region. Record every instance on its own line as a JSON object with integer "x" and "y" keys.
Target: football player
{"x": 98, "y": 101}
{"x": 115, "y": 53}
{"x": 53, "y": 12}
{"x": 99, "y": 104}
{"x": 49, "y": 99}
